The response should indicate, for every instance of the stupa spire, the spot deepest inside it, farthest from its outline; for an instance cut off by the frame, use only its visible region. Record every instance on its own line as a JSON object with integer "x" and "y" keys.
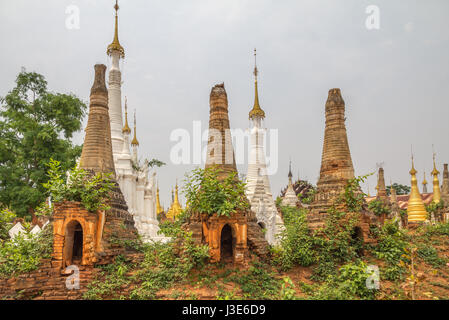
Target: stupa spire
{"x": 115, "y": 45}
{"x": 159, "y": 208}
{"x": 97, "y": 148}
{"x": 126, "y": 128}
{"x": 436, "y": 182}
{"x": 416, "y": 211}
{"x": 135, "y": 142}
{"x": 424, "y": 183}
{"x": 257, "y": 110}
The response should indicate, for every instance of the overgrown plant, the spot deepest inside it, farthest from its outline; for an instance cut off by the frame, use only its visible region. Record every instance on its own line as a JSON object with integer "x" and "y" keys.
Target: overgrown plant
{"x": 206, "y": 193}
{"x": 79, "y": 185}
{"x": 296, "y": 247}
{"x": 6, "y": 219}
{"x": 24, "y": 252}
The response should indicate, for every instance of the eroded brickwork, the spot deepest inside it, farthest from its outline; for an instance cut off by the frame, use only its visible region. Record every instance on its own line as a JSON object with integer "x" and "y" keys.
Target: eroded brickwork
{"x": 336, "y": 166}
{"x": 243, "y": 228}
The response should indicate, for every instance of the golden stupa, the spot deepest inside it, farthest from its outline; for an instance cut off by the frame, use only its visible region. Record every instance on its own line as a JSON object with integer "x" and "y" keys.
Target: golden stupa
{"x": 175, "y": 208}
{"x": 436, "y": 183}
{"x": 416, "y": 211}
{"x": 159, "y": 208}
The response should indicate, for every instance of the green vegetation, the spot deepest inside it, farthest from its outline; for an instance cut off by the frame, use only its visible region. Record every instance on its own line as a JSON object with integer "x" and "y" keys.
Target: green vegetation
{"x": 35, "y": 125}
{"x": 296, "y": 242}
{"x": 164, "y": 265}
{"x": 379, "y": 208}
{"x": 392, "y": 248}
{"x": 206, "y": 193}
{"x": 400, "y": 189}
{"x": 24, "y": 253}
{"x": 6, "y": 220}
{"x": 79, "y": 185}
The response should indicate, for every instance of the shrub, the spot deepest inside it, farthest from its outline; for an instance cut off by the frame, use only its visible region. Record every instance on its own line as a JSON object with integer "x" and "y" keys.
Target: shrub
{"x": 24, "y": 252}
{"x": 79, "y": 185}
{"x": 296, "y": 247}
{"x": 391, "y": 247}
{"x": 6, "y": 219}
{"x": 206, "y": 193}
{"x": 350, "y": 283}
{"x": 430, "y": 255}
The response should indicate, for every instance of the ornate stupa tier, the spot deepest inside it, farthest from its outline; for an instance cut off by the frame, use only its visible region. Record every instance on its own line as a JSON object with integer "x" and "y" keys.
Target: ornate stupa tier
{"x": 415, "y": 210}
{"x": 258, "y": 189}
{"x": 220, "y": 152}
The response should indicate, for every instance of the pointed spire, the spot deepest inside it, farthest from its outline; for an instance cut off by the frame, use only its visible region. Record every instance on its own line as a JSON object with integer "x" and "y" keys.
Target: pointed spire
{"x": 159, "y": 208}
{"x": 115, "y": 45}
{"x": 369, "y": 195}
{"x": 436, "y": 182}
{"x": 126, "y": 128}
{"x": 424, "y": 183}
{"x": 135, "y": 142}
{"x": 176, "y": 193}
{"x": 257, "y": 110}
{"x": 415, "y": 210}
{"x": 290, "y": 175}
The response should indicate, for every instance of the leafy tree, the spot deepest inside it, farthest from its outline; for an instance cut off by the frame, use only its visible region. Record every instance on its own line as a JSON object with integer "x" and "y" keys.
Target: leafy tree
{"x": 35, "y": 125}
{"x": 400, "y": 189}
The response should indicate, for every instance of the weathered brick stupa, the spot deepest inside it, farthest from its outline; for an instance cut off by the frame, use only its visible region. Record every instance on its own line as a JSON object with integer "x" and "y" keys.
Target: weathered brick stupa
{"x": 336, "y": 164}
{"x": 82, "y": 237}
{"x": 229, "y": 238}
{"x": 445, "y": 185}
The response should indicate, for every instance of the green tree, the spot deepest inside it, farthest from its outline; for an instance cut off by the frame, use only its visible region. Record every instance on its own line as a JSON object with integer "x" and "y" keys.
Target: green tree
{"x": 35, "y": 125}
{"x": 400, "y": 189}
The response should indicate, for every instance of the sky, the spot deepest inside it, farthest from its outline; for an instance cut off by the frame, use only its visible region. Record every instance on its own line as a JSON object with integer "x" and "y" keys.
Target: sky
{"x": 394, "y": 79}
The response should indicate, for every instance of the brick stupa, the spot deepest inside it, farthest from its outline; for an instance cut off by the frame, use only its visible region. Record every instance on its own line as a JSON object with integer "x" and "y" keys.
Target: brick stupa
{"x": 230, "y": 239}
{"x": 87, "y": 238}
{"x": 336, "y": 165}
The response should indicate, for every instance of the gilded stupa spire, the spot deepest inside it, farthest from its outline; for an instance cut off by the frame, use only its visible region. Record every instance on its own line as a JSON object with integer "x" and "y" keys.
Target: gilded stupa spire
{"x": 416, "y": 211}
{"x": 257, "y": 110}
{"x": 115, "y": 45}
{"x": 126, "y": 128}
{"x": 424, "y": 183}
{"x": 175, "y": 208}
{"x": 159, "y": 208}
{"x": 436, "y": 182}
{"x": 135, "y": 142}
